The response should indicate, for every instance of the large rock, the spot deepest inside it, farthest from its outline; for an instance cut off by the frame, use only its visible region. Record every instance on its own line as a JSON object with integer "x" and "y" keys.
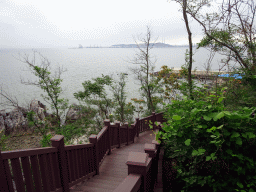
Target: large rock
{"x": 16, "y": 120}
{"x": 73, "y": 114}
{"x": 38, "y": 108}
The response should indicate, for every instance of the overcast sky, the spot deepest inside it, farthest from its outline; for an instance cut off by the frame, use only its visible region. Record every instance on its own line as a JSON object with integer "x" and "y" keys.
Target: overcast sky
{"x": 66, "y": 23}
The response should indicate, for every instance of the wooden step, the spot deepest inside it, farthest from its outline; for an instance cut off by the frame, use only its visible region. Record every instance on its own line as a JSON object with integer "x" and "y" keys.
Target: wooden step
{"x": 95, "y": 183}
{"x": 90, "y": 189}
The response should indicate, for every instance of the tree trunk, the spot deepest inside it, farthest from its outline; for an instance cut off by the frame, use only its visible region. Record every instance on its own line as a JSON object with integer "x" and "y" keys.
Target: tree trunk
{"x": 190, "y": 48}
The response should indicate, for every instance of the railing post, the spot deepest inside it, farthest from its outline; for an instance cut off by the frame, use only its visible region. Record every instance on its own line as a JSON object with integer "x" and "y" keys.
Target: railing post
{"x": 151, "y": 150}
{"x": 93, "y": 139}
{"x": 58, "y": 142}
{"x": 153, "y": 120}
{"x": 132, "y": 126}
{"x": 118, "y": 134}
{"x": 126, "y": 124}
{"x": 3, "y": 176}
{"x": 138, "y": 128}
{"x": 139, "y": 163}
{"x": 107, "y": 123}
{"x": 157, "y": 155}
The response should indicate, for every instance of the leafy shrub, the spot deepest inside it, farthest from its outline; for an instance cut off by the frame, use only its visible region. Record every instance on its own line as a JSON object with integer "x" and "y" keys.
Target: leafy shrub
{"x": 213, "y": 147}
{"x": 45, "y": 142}
{"x": 3, "y": 138}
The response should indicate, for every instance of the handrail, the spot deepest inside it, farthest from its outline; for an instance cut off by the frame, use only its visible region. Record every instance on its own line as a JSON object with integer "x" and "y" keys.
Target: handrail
{"x": 62, "y": 166}
{"x": 142, "y": 170}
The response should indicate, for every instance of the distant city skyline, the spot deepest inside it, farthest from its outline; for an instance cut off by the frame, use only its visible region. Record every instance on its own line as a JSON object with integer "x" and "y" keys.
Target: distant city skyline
{"x": 61, "y": 23}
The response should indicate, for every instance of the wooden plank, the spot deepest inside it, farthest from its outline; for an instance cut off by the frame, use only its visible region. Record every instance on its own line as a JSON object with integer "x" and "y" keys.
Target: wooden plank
{"x": 26, "y": 152}
{"x": 36, "y": 173}
{"x": 44, "y": 172}
{"x": 69, "y": 159}
{"x": 91, "y": 189}
{"x": 76, "y": 163}
{"x": 82, "y": 165}
{"x": 9, "y": 175}
{"x": 131, "y": 183}
{"x": 56, "y": 170}
{"x": 18, "y": 178}
{"x": 51, "y": 172}
{"x": 109, "y": 178}
{"x": 27, "y": 174}
{"x": 92, "y": 183}
{"x": 85, "y": 161}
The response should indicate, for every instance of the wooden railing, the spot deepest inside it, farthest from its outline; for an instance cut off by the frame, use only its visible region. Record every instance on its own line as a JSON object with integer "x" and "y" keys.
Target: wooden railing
{"x": 60, "y": 167}
{"x": 142, "y": 170}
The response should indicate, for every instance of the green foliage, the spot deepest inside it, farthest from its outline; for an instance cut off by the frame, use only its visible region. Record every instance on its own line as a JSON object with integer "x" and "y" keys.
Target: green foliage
{"x": 51, "y": 84}
{"x": 41, "y": 126}
{"x": 80, "y": 127}
{"x": 45, "y": 142}
{"x": 3, "y": 138}
{"x": 222, "y": 36}
{"x": 213, "y": 146}
{"x": 95, "y": 95}
{"x": 123, "y": 111}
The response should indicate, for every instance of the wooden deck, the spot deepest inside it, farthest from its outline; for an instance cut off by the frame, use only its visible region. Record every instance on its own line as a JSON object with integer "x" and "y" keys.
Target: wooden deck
{"x": 114, "y": 170}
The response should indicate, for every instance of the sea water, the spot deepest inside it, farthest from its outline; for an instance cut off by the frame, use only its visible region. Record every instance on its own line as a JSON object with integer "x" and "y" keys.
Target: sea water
{"x": 83, "y": 65}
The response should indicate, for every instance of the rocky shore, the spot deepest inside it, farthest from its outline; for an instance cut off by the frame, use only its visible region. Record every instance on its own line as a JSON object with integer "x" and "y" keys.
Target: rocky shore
{"x": 15, "y": 121}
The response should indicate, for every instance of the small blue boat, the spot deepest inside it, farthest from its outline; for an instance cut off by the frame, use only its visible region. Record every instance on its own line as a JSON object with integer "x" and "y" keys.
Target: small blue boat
{"x": 236, "y": 76}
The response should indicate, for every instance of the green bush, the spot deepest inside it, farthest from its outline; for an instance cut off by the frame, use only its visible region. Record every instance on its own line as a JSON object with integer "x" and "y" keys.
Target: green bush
{"x": 213, "y": 147}
{"x": 45, "y": 142}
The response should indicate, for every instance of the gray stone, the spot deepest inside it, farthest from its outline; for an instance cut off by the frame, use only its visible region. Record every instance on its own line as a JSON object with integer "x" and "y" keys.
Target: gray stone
{"x": 2, "y": 126}
{"x": 8, "y": 125}
{"x": 38, "y": 108}
{"x": 16, "y": 120}
{"x": 73, "y": 113}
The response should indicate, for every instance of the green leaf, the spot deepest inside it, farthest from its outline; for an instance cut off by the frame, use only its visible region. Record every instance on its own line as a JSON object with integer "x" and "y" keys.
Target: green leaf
{"x": 194, "y": 153}
{"x": 208, "y": 158}
{"x": 250, "y": 134}
{"x": 187, "y": 142}
{"x": 251, "y": 190}
{"x": 240, "y": 185}
{"x": 199, "y": 126}
{"x": 216, "y": 133}
{"x": 227, "y": 113}
{"x": 244, "y": 135}
{"x": 239, "y": 141}
{"x": 220, "y": 127}
{"x": 194, "y": 110}
{"x": 235, "y": 134}
{"x": 201, "y": 150}
{"x": 220, "y": 99}
{"x": 206, "y": 118}
{"x": 218, "y": 116}
{"x": 176, "y": 117}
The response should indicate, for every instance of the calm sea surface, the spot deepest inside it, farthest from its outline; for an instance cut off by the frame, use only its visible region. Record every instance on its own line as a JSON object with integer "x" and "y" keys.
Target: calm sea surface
{"x": 85, "y": 64}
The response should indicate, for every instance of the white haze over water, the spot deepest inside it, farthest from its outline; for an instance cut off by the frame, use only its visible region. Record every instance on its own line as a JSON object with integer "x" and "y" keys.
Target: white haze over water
{"x": 85, "y": 64}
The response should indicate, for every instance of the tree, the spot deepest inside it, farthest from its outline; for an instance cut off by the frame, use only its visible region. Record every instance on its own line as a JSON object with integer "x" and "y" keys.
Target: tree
{"x": 94, "y": 94}
{"x": 123, "y": 111}
{"x": 144, "y": 74}
{"x": 184, "y": 4}
{"x": 51, "y": 84}
{"x": 231, "y": 31}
